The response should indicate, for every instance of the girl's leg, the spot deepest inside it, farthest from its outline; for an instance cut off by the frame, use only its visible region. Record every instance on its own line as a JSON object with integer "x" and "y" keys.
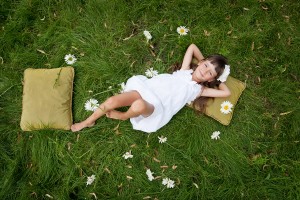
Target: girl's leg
{"x": 138, "y": 107}
{"x": 120, "y": 100}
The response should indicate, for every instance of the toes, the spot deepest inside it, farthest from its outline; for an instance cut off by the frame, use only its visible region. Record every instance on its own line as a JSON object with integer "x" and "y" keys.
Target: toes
{"x": 107, "y": 114}
{"x": 73, "y": 128}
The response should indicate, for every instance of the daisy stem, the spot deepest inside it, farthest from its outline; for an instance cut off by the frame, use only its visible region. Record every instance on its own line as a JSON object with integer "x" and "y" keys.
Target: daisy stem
{"x": 230, "y": 147}
{"x": 7, "y": 89}
{"x": 102, "y": 92}
{"x": 184, "y": 155}
{"x": 76, "y": 163}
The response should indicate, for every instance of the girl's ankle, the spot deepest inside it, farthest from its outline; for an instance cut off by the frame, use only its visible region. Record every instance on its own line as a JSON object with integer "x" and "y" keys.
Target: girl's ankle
{"x": 89, "y": 124}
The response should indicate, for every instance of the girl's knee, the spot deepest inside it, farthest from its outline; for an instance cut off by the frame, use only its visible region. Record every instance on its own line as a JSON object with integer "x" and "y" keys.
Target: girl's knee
{"x": 143, "y": 107}
{"x": 109, "y": 103}
{"x": 139, "y": 106}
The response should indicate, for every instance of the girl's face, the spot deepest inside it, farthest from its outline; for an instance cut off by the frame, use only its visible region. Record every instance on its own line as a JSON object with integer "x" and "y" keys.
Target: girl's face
{"x": 204, "y": 72}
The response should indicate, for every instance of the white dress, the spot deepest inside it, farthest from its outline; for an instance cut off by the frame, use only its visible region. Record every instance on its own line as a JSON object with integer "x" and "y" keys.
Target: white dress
{"x": 168, "y": 93}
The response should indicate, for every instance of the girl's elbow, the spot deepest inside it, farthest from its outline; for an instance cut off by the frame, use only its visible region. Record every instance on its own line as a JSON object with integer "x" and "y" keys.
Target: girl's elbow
{"x": 227, "y": 93}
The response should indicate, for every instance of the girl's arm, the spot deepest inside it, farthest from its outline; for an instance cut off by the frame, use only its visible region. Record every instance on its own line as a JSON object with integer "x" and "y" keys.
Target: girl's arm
{"x": 222, "y": 91}
{"x": 191, "y": 52}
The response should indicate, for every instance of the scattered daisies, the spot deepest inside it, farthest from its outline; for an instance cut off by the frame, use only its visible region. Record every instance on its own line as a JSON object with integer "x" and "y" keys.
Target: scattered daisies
{"x": 162, "y": 139}
{"x": 149, "y": 174}
{"x": 147, "y": 35}
{"x": 182, "y": 30}
{"x": 226, "y": 107}
{"x": 90, "y": 179}
{"x": 91, "y": 105}
{"x": 168, "y": 182}
{"x": 127, "y": 155}
{"x": 150, "y": 72}
{"x": 215, "y": 135}
{"x": 70, "y": 59}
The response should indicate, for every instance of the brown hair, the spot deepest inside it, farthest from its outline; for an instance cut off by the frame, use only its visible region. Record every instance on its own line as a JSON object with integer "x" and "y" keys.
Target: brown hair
{"x": 219, "y": 62}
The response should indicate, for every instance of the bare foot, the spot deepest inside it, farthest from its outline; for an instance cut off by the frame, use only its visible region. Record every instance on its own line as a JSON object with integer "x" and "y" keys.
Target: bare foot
{"x": 114, "y": 114}
{"x": 78, "y": 126}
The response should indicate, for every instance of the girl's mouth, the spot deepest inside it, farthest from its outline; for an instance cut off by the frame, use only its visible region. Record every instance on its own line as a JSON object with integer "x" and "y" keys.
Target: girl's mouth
{"x": 200, "y": 73}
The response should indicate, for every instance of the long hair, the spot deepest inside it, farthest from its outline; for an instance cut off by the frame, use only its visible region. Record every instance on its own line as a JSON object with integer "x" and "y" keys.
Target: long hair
{"x": 219, "y": 62}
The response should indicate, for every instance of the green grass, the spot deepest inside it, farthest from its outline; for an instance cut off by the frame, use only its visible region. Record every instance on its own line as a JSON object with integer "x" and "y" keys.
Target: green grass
{"x": 258, "y": 154}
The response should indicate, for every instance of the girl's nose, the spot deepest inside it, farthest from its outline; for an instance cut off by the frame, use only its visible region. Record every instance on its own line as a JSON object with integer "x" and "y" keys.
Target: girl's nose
{"x": 205, "y": 71}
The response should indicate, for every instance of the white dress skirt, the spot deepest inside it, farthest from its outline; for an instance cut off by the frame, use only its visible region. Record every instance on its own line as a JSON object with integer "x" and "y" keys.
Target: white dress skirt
{"x": 168, "y": 93}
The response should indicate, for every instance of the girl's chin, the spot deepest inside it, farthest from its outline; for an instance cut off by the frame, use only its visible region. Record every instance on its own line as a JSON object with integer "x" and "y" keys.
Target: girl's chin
{"x": 199, "y": 78}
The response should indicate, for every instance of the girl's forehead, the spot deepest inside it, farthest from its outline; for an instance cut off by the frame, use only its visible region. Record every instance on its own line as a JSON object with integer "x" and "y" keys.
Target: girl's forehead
{"x": 209, "y": 62}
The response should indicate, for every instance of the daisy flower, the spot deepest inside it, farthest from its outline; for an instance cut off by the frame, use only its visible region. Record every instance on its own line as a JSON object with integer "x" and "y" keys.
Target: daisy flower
{"x": 122, "y": 85}
{"x": 226, "y": 107}
{"x": 168, "y": 182}
{"x": 225, "y": 74}
{"x": 70, "y": 59}
{"x": 127, "y": 155}
{"x": 150, "y": 72}
{"x": 91, "y": 105}
{"x": 162, "y": 139}
{"x": 182, "y": 30}
{"x": 90, "y": 179}
{"x": 147, "y": 35}
{"x": 149, "y": 174}
{"x": 215, "y": 135}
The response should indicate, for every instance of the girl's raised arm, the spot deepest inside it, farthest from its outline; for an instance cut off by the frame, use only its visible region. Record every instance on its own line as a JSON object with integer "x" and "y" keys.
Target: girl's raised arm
{"x": 222, "y": 91}
{"x": 191, "y": 52}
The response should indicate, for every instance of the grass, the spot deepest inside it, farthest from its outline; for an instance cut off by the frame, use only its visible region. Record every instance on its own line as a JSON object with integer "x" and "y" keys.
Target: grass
{"x": 258, "y": 154}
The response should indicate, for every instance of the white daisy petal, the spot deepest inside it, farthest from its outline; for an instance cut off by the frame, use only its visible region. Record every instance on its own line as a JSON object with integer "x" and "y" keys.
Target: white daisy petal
{"x": 162, "y": 139}
{"x": 149, "y": 174}
{"x": 150, "y": 72}
{"x": 122, "y": 89}
{"x": 171, "y": 184}
{"x": 225, "y": 74}
{"x": 165, "y": 181}
{"x": 226, "y": 107}
{"x": 127, "y": 155}
{"x": 147, "y": 35}
{"x": 182, "y": 30}
{"x": 90, "y": 179}
{"x": 70, "y": 59}
{"x": 215, "y": 135}
{"x": 91, "y": 105}
{"x": 168, "y": 182}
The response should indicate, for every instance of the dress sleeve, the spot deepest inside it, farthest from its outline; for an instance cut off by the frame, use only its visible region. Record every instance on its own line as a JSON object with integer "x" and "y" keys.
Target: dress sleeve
{"x": 194, "y": 92}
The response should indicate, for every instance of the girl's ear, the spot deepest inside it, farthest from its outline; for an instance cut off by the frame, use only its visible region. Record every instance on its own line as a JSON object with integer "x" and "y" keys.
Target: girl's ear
{"x": 212, "y": 79}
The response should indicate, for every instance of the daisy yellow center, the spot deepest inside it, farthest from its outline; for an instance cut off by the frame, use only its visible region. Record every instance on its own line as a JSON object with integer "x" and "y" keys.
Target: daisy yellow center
{"x": 182, "y": 30}
{"x": 226, "y": 107}
{"x": 70, "y": 58}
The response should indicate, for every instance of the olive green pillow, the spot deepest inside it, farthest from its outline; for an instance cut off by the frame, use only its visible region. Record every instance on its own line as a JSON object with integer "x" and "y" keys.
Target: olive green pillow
{"x": 47, "y": 99}
{"x": 236, "y": 88}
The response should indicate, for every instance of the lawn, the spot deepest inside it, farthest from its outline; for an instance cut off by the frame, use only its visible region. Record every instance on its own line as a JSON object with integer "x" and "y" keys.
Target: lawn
{"x": 257, "y": 155}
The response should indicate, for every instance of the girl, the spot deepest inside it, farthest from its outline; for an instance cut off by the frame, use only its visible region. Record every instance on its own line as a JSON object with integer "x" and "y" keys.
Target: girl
{"x": 153, "y": 102}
